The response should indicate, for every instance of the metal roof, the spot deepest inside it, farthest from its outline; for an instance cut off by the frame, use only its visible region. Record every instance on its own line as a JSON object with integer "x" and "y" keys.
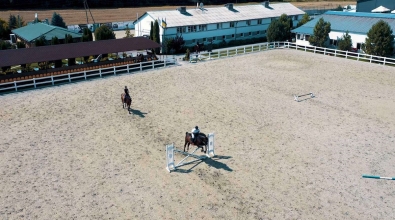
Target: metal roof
{"x": 353, "y": 22}
{"x": 74, "y": 50}
{"x": 33, "y": 31}
{"x": 174, "y": 18}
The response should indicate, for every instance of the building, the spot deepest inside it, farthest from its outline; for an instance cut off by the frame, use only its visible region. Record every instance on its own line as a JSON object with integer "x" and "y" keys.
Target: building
{"x": 370, "y": 5}
{"x": 33, "y": 31}
{"x": 216, "y": 24}
{"x": 357, "y": 24}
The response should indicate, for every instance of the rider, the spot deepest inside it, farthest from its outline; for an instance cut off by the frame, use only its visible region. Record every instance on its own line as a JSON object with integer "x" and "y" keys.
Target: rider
{"x": 195, "y": 132}
{"x": 127, "y": 91}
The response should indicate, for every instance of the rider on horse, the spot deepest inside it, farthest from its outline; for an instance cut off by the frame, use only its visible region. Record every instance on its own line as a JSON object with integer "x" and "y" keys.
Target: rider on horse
{"x": 127, "y": 92}
{"x": 195, "y": 132}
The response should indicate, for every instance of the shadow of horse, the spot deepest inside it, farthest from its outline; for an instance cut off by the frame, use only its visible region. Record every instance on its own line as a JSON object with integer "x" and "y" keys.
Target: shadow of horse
{"x": 138, "y": 112}
{"x": 211, "y": 162}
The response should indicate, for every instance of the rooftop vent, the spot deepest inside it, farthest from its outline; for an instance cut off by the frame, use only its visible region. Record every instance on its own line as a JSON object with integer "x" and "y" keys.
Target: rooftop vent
{"x": 266, "y": 4}
{"x": 229, "y": 6}
{"x": 182, "y": 9}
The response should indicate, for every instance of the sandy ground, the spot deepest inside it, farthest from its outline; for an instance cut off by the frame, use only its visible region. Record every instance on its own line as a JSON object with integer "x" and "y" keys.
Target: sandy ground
{"x": 78, "y": 16}
{"x": 71, "y": 151}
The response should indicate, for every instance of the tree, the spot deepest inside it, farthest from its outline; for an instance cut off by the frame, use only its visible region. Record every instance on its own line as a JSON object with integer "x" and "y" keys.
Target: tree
{"x": 156, "y": 35}
{"x": 380, "y": 40}
{"x": 104, "y": 33}
{"x": 55, "y": 40}
{"x": 279, "y": 29}
{"x": 151, "y": 32}
{"x": 86, "y": 35}
{"x": 12, "y": 22}
{"x": 321, "y": 33}
{"x": 127, "y": 32}
{"x": 57, "y": 20}
{"x": 3, "y": 29}
{"x": 345, "y": 42}
{"x": 41, "y": 41}
{"x": 20, "y": 45}
{"x": 304, "y": 20}
{"x": 5, "y": 45}
{"x": 339, "y": 8}
{"x": 68, "y": 40}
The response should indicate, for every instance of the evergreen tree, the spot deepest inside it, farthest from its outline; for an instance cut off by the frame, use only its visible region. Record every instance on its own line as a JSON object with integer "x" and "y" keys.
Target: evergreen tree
{"x": 304, "y": 20}
{"x": 57, "y": 20}
{"x": 87, "y": 35}
{"x": 156, "y": 35}
{"x": 104, "y": 33}
{"x": 4, "y": 32}
{"x": 20, "y": 45}
{"x": 151, "y": 32}
{"x": 345, "y": 42}
{"x": 380, "y": 40}
{"x": 41, "y": 41}
{"x": 54, "y": 40}
{"x": 321, "y": 33}
{"x": 12, "y": 22}
{"x": 68, "y": 39}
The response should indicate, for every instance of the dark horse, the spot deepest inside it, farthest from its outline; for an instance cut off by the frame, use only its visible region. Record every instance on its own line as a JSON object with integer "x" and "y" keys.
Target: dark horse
{"x": 126, "y": 101}
{"x": 199, "y": 47}
{"x": 200, "y": 141}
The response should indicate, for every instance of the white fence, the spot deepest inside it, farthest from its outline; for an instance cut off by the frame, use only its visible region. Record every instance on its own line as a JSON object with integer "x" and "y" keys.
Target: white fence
{"x": 220, "y": 53}
{"x": 84, "y": 75}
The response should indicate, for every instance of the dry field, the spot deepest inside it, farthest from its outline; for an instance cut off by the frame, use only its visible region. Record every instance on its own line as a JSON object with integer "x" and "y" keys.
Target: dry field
{"x": 72, "y": 152}
{"x": 78, "y": 16}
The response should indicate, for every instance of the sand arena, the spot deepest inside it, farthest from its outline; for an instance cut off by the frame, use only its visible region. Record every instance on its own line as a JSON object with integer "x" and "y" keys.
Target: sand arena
{"x": 71, "y": 151}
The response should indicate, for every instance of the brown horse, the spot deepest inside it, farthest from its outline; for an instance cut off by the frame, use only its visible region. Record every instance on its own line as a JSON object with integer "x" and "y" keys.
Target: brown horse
{"x": 126, "y": 101}
{"x": 200, "y": 141}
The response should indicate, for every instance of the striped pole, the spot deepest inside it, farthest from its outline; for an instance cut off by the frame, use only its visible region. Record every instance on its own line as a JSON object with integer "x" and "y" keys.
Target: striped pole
{"x": 378, "y": 177}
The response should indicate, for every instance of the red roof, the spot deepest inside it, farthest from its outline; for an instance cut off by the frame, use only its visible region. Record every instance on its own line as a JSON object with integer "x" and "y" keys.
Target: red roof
{"x": 74, "y": 50}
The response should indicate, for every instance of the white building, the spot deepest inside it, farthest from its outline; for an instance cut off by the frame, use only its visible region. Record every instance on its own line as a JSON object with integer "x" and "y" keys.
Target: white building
{"x": 216, "y": 24}
{"x": 357, "y": 24}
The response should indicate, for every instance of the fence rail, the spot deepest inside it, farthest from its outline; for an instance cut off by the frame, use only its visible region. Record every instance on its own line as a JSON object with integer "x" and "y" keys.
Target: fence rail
{"x": 84, "y": 75}
{"x": 221, "y": 53}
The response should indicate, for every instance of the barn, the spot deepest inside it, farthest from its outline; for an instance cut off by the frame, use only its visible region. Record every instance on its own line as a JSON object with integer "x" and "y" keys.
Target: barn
{"x": 357, "y": 24}
{"x": 201, "y": 25}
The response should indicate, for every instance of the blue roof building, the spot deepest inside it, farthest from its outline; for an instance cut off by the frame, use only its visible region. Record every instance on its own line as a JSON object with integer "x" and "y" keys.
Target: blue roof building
{"x": 357, "y": 24}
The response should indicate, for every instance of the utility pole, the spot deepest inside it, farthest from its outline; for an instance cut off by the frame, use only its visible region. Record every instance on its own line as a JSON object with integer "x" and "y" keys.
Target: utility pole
{"x": 86, "y": 12}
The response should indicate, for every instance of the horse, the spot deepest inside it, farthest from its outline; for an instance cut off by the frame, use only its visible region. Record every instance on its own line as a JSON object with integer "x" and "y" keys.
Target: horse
{"x": 201, "y": 140}
{"x": 126, "y": 101}
{"x": 199, "y": 47}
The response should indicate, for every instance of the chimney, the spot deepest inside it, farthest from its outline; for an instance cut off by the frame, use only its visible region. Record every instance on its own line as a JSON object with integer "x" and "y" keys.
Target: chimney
{"x": 229, "y": 6}
{"x": 35, "y": 18}
{"x": 182, "y": 9}
{"x": 266, "y": 3}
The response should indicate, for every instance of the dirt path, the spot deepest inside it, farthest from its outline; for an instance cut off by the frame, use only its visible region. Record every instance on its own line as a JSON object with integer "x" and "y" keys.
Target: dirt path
{"x": 71, "y": 151}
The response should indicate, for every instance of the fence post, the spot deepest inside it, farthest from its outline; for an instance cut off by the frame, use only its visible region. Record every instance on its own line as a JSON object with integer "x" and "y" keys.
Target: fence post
{"x": 267, "y": 46}
{"x": 209, "y": 55}
{"x": 153, "y": 65}
{"x": 315, "y": 48}
{"x": 358, "y": 57}
{"x": 115, "y": 72}
{"x": 335, "y": 53}
{"x": 141, "y": 66}
{"x": 164, "y": 62}
{"x": 227, "y": 52}
{"x": 69, "y": 77}
{"x": 244, "y": 49}
{"x": 100, "y": 72}
{"x": 128, "y": 67}
{"x": 236, "y": 50}
{"x": 346, "y": 54}
{"x": 34, "y": 82}
{"x": 16, "y": 88}
{"x": 371, "y": 56}
{"x": 324, "y": 51}
{"x": 260, "y": 47}
{"x": 384, "y": 61}
{"x": 52, "y": 80}
{"x": 85, "y": 74}
{"x": 252, "y": 48}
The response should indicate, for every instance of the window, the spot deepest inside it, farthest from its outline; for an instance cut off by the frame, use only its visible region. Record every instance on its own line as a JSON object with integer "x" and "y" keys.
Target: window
{"x": 233, "y": 35}
{"x": 295, "y": 17}
{"x": 203, "y": 27}
{"x": 219, "y": 26}
{"x": 307, "y": 37}
{"x": 249, "y": 33}
{"x": 192, "y": 28}
{"x": 359, "y": 46}
{"x": 298, "y": 36}
{"x": 223, "y": 37}
{"x": 232, "y": 24}
{"x": 181, "y": 30}
{"x": 259, "y": 21}
{"x": 213, "y": 38}
{"x": 248, "y": 23}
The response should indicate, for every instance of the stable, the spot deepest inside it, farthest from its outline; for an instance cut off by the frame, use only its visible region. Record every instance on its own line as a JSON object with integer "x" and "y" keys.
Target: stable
{"x": 215, "y": 24}
{"x": 357, "y": 24}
